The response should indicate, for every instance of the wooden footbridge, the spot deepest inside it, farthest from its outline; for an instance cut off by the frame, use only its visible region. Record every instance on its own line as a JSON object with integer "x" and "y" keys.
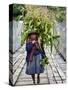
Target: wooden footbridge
{"x": 55, "y": 71}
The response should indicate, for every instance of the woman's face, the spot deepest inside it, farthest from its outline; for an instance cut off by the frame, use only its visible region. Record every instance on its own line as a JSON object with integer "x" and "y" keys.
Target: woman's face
{"x": 33, "y": 37}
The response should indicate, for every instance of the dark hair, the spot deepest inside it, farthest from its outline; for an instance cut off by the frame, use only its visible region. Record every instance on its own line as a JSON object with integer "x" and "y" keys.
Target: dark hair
{"x": 32, "y": 33}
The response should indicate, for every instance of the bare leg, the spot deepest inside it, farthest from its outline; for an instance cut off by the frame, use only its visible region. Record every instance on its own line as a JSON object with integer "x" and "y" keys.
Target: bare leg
{"x": 33, "y": 78}
{"x": 38, "y": 78}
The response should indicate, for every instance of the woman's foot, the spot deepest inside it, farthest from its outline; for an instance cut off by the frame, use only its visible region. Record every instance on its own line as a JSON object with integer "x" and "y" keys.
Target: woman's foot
{"x": 33, "y": 78}
{"x": 38, "y": 79}
{"x": 34, "y": 82}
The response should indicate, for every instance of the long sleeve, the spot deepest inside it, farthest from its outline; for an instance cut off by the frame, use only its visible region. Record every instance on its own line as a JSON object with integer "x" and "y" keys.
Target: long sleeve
{"x": 29, "y": 46}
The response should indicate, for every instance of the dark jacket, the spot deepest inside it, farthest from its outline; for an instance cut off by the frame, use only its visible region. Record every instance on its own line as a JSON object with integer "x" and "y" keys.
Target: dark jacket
{"x": 29, "y": 47}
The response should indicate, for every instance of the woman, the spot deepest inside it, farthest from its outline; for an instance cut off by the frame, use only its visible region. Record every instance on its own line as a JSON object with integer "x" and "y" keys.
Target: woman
{"x": 34, "y": 55}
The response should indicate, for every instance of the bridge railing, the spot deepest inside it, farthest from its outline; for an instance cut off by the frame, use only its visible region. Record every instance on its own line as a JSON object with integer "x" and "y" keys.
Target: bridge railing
{"x": 16, "y": 63}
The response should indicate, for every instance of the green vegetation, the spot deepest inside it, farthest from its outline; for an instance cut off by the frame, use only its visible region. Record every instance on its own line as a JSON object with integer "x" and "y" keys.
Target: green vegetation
{"x": 40, "y": 19}
{"x": 59, "y": 13}
{"x": 44, "y": 61}
{"x": 36, "y": 20}
{"x": 19, "y": 11}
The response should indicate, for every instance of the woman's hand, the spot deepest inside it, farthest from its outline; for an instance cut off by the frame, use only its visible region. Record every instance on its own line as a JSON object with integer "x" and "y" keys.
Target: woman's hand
{"x": 33, "y": 42}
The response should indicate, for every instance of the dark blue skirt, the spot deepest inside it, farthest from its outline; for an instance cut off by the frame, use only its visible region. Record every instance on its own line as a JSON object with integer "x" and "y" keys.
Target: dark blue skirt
{"x": 35, "y": 67}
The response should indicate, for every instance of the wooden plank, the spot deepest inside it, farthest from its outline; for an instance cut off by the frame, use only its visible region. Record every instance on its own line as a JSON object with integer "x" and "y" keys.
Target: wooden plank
{"x": 50, "y": 75}
{"x": 17, "y": 58}
{"x": 59, "y": 70}
{"x": 17, "y": 64}
{"x": 24, "y": 83}
{"x": 54, "y": 70}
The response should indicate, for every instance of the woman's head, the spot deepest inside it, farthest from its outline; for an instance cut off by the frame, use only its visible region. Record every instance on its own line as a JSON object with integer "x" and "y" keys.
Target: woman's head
{"x": 33, "y": 36}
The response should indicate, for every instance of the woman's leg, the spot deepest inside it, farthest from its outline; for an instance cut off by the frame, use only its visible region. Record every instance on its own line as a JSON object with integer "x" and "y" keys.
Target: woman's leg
{"x": 38, "y": 78}
{"x": 33, "y": 78}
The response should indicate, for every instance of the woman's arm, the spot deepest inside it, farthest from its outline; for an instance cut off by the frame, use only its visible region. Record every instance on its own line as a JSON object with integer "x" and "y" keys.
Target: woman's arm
{"x": 37, "y": 45}
{"x": 29, "y": 46}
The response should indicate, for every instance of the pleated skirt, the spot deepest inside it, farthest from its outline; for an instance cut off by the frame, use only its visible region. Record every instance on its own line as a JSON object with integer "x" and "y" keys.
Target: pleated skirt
{"x": 34, "y": 67}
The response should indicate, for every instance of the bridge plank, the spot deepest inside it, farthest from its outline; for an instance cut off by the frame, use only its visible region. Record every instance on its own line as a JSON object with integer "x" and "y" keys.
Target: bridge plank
{"x": 54, "y": 72}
